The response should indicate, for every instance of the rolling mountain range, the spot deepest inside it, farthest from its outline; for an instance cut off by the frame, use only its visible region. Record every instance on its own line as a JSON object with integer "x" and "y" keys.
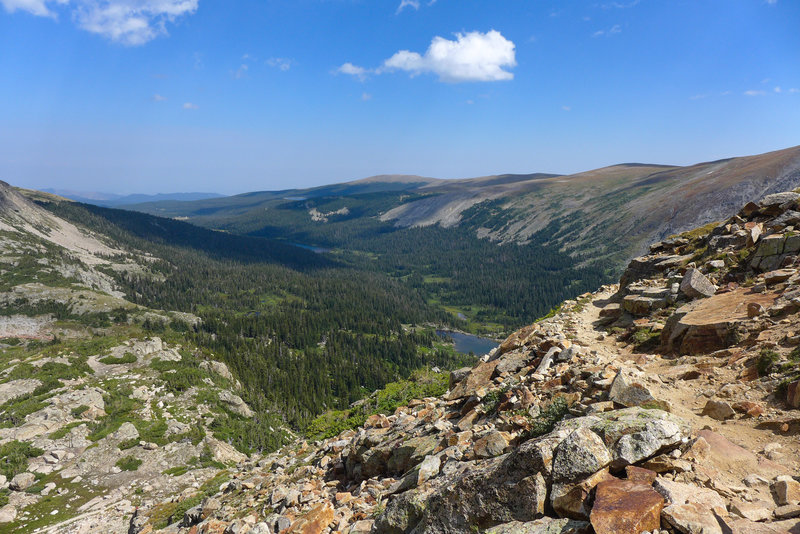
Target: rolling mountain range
{"x": 620, "y": 208}
{"x": 498, "y": 251}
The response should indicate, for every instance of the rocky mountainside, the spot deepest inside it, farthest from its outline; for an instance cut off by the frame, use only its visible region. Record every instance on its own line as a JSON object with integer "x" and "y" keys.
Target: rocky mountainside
{"x": 97, "y": 414}
{"x": 667, "y": 403}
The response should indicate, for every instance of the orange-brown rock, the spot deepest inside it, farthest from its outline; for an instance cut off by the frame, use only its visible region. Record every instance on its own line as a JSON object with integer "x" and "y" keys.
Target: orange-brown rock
{"x": 626, "y": 506}
{"x": 640, "y": 475}
{"x": 314, "y": 521}
{"x": 480, "y": 376}
{"x": 571, "y": 499}
{"x": 710, "y": 324}
{"x": 793, "y": 394}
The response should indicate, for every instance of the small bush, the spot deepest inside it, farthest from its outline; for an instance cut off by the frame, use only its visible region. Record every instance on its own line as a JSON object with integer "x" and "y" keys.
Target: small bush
{"x": 766, "y": 359}
{"x": 112, "y": 360}
{"x": 129, "y": 463}
{"x": 79, "y": 411}
{"x": 549, "y": 417}
{"x": 14, "y": 457}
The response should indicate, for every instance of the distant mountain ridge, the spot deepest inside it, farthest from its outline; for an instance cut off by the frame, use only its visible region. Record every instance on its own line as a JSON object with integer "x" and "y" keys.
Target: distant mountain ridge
{"x": 111, "y": 200}
{"x": 631, "y": 202}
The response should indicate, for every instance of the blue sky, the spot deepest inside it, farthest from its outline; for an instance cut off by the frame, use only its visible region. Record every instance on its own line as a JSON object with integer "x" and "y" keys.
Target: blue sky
{"x": 209, "y": 95}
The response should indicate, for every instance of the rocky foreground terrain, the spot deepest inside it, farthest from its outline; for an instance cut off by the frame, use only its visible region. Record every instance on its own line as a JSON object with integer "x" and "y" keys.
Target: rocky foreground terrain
{"x": 668, "y": 403}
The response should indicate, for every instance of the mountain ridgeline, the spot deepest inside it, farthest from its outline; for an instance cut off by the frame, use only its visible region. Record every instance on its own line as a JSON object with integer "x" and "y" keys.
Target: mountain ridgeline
{"x": 500, "y": 250}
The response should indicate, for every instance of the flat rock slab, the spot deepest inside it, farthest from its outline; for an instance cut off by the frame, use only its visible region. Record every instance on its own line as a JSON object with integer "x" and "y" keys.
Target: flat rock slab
{"x": 726, "y": 307}
{"x": 738, "y": 461}
{"x": 708, "y": 325}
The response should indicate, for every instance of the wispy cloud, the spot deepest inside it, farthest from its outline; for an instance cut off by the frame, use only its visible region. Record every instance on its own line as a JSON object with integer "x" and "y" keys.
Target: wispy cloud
{"x": 566, "y": 108}
{"x": 471, "y": 57}
{"x": 412, "y": 4}
{"x": 620, "y": 5}
{"x": 159, "y": 98}
{"x": 280, "y": 63}
{"x": 366, "y": 96}
{"x": 241, "y": 72}
{"x": 190, "y": 106}
{"x": 613, "y": 30}
{"x": 129, "y": 22}
{"x": 354, "y": 70}
{"x": 794, "y": 90}
{"x": 754, "y": 92}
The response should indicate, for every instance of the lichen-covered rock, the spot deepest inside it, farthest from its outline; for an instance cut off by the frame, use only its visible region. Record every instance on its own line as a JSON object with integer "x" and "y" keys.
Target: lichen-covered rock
{"x": 628, "y": 389}
{"x": 696, "y": 285}
{"x": 580, "y": 455}
{"x": 545, "y": 525}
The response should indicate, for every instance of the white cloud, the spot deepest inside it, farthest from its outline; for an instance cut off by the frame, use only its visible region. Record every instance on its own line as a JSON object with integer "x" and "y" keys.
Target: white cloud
{"x": 366, "y": 96}
{"x": 566, "y": 108}
{"x": 353, "y": 70}
{"x": 794, "y": 90}
{"x": 472, "y": 57}
{"x": 620, "y": 5}
{"x": 189, "y": 105}
{"x": 281, "y": 63}
{"x": 777, "y": 89}
{"x": 407, "y": 3}
{"x": 241, "y": 72}
{"x": 130, "y": 22}
{"x": 613, "y": 30}
{"x": 754, "y": 92}
{"x": 159, "y": 98}
{"x": 34, "y": 7}
{"x": 411, "y": 3}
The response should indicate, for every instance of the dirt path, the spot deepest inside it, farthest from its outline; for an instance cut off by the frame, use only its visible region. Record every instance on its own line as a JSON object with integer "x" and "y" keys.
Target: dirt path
{"x": 687, "y": 397}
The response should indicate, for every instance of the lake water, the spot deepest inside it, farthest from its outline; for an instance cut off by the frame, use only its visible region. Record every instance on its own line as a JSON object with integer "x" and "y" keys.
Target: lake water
{"x": 466, "y": 343}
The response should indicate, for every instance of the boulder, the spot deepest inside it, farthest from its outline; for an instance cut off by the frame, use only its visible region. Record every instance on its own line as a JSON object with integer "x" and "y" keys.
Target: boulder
{"x": 581, "y": 454}
{"x": 786, "y": 492}
{"x": 545, "y": 525}
{"x": 235, "y": 403}
{"x": 634, "y": 434}
{"x": 218, "y": 368}
{"x": 793, "y": 394}
{"x": 640, "y": 305}
{"x": 778, "y": 199}
{"x": 125, "y": 432}
{"x": 315, "y": 521}
{"x": 22, "y": 481}
{"x": 572, "y": 499}
{"x": 478, "y": 377}
{"x": 222, "y": 452}
{"x": 680, "y": 493}
{"x": 491, "y": 445}
{"x": 778, "y": 276}
{"x": 719, "y": 410}
{"x": 8, "y": 513}
{"x": 754, "y": 511}
{"x": 691, "y": 519}
{"x": 628, "y": 389}
{"x": 696, "y": 285}
{"x": 626, "y": 506}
